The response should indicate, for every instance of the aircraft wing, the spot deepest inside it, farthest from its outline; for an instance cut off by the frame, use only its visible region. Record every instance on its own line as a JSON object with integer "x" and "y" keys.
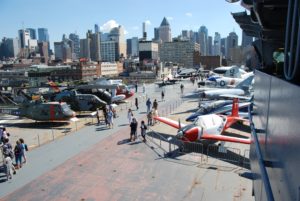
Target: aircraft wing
{"x": 228, "y": 108}
{"x": 169, "y": 122}
{"x": 248, "y": 98}
{"x": 226, "y": 138}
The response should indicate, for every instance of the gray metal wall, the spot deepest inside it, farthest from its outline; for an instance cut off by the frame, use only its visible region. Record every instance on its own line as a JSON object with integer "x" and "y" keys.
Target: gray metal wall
{"x": 277, "y": 123}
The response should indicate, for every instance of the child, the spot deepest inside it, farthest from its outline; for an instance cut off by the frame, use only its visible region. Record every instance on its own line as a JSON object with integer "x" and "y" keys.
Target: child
{"x": 143, "y": 130}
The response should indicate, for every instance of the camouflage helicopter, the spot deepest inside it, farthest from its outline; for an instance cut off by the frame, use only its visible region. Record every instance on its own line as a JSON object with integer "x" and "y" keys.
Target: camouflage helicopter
{"x": 40, "y": 111}
{"x": 78, "y": 101}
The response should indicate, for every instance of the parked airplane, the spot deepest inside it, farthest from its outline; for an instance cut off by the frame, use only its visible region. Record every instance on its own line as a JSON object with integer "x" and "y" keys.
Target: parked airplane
{"x": 223, "y": 82}
{"x": 239, "y": 90}
{"x": 216, "y": 107}
{"x": 186, "y": 72}
{"x": 208, "y": 127}
{"x": 168, "y": 80}
{"x": 41, "y": 111}
{"x": 229, "y": 71}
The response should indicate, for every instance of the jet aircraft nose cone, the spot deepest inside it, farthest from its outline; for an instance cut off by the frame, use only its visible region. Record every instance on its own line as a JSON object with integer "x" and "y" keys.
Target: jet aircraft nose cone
{"x": 180, "y": 134}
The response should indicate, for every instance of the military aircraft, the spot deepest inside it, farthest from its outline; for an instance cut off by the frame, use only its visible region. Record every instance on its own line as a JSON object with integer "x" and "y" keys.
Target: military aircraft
{"x": 168, "y": 80}
{"x": 216, "y": 107}
{"x": 208, "y": 127}
{"x": 106, "y": 84}
{"x": 186, "y": 72}
{"x": 41, "y": 111}
{"x": 80, "y": 102}
{"x": 239, "y": 90}
{"x": 76, "y": 100}
{"x": 224, "y": 82}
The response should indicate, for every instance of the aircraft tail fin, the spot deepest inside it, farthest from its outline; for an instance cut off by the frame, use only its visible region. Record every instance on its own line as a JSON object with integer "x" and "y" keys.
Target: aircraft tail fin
{"x": 235, "y": 108}
{"x": 245, "y": 83}
{"x": 53, "y": 86}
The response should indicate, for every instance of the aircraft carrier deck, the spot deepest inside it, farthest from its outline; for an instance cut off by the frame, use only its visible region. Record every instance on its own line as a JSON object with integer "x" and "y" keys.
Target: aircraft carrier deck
{"x": 95, "y": 163}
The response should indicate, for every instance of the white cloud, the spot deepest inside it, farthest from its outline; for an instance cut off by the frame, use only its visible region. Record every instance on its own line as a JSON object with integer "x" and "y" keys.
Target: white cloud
{"x": 126, "y": 32}
{"x": 170, "y": 18}
{"x": 106, "y": 27}
{"x": 189, "y": 14}
{"x": 148, "y": 22}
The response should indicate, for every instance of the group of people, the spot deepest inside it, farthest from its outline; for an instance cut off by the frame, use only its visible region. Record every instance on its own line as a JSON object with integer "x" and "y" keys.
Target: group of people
{"x": 9, "y": 153}
{"x": 109, "y": 114}
{"x": 133, "y": 123}
{"x": 151, "y": 113}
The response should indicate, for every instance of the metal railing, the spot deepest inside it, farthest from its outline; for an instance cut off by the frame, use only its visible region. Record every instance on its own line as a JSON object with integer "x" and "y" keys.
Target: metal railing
{"x": 292, "y": 42}
{"x": 260, "y": 160}
{"x": 229, "y": 154}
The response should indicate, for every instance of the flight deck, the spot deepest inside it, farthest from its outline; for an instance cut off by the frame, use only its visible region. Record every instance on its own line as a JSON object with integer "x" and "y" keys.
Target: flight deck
{"x": 95, "y": 163}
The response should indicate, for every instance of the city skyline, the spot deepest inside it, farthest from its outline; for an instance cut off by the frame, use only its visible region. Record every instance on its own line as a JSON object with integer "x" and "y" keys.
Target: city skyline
{"x": 190, "y": 15}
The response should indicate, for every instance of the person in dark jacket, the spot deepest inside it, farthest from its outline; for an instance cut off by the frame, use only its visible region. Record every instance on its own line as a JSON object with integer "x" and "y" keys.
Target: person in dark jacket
{"x": 133, "y": 129}
{"x": 155, "y": 104}
{"x": 136, "y": 103}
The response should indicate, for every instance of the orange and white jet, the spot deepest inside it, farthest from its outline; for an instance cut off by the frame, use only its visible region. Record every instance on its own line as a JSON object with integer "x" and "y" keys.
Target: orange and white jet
{"x": 208, "y": 127}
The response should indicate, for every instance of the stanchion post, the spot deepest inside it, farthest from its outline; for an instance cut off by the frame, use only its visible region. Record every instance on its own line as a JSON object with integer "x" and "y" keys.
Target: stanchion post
{"x": 38, "y": 137}
{"x": 52, "y": 134}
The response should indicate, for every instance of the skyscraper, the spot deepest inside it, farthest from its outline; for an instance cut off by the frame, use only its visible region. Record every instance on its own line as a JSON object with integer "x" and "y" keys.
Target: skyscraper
{"x": 224, "y": 46}
{"x": 133, "y": 47}
{"x": 43, "y": 35}
{"x": 165, "y": 31}
{"x": 246, "y": 40}
{"x": 9, "y": 47}
{"x": 203, "y": 34}
{"x": 144, "y": 31}
{"x": 24, "y": 36}
{"x": 32, "y": 33}
{"x": 95, "y": 49}
{"x": 156, "y": 34}
{"x": 210, "y": 46}
{"x": 232, "y": 41}
{"x": 97, "y": 28}
{"x": 217, "y": 44}
{"x": 75, "y": 38}
{"x": 117, "y": 34}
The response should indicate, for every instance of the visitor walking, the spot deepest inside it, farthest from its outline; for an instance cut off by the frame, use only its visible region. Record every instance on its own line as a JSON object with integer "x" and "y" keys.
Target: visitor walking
{"x": 129, "y": 115}
{"x": 162, "y": 95}
{"x": 148, "y": 104}
{"x": 133, "y": 128}
{"x": 155, "y": 104}
{"x": 136, "y": 103}
{"x": 143, "y": 130}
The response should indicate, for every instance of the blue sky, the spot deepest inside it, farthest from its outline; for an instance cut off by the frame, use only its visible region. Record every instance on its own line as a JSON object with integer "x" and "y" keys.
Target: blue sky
{"x": 67, "y": 16}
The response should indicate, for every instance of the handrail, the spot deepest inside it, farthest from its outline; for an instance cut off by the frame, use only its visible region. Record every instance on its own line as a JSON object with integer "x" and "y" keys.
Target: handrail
{"x": 264, "y": 174}
{"x": 292, "y": 41}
